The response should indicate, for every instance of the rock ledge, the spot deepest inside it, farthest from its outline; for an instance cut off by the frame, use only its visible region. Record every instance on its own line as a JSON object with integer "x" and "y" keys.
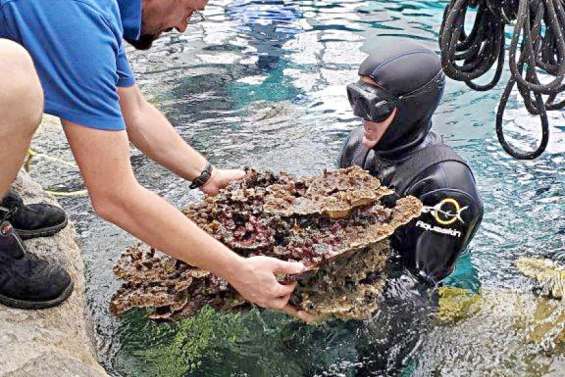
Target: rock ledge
{"x": 52, "y": 342}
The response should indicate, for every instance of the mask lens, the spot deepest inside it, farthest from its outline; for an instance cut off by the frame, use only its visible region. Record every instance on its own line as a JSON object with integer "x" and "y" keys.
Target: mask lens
{"x": 361, "y": 109}
{"x": 352, "y": 94}
{"x": 366, "y": 102}
{"x": 381, "y": 111}
{"x": 357, "y": 100}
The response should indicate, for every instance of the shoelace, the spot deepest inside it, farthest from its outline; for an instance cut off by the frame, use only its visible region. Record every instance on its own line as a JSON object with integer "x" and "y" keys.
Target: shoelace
{"x": 7, "y": 213}
{"x": 7, "y": 232}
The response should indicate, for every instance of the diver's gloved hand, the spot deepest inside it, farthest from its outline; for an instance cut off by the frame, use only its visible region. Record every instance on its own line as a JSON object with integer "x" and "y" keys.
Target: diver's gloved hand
{"x": 389, "y": 201}
{"x": 221, "y": 178}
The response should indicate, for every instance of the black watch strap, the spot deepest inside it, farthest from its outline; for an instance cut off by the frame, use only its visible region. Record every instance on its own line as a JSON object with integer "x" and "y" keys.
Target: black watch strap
{"x": 203, "y": 177}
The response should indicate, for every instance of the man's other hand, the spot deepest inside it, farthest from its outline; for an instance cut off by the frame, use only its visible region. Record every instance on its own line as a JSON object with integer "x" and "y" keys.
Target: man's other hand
{"x": 221, "y": 178}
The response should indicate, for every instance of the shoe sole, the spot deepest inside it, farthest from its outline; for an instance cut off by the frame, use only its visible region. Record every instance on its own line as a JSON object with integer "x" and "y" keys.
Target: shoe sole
{"x": 36, "y": 305}
{"x": 43, "y": 232}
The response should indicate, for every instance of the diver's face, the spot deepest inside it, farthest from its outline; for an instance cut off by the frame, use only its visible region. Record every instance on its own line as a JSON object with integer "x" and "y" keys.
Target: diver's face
{"x": 374, "y": 131}
{"x": 161, "y": 16}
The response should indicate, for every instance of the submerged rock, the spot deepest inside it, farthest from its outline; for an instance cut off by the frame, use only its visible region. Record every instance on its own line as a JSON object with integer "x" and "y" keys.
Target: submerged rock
{"x": 456, "y": 304}
{"x": 334, "y": 223}
{"x": 500, "y": 332}
{"x": 549, "y": 274}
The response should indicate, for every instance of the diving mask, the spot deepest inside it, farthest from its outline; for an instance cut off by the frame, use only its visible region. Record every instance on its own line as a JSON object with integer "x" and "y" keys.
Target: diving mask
{"x": 370, "y": 102}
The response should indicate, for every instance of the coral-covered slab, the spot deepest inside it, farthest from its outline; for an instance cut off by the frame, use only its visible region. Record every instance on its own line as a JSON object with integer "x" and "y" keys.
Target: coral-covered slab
{"x": 335, "y": 224}
{"x": 333, "y": 194}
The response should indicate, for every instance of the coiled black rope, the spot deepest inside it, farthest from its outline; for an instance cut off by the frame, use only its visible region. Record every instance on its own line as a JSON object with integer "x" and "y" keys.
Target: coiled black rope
{"x": 537, "y": 44}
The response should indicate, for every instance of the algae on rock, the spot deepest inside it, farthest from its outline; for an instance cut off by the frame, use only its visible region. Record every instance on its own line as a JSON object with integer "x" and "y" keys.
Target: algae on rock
{"x": 456, "y": 304}
{"x": 549, "y": 274}
{"x": 203, "y": 335}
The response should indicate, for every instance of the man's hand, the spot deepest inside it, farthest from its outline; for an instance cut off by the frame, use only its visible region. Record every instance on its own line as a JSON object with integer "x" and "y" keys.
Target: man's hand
{"x": 221, "y": 178}
{"x": 258, "y": 284}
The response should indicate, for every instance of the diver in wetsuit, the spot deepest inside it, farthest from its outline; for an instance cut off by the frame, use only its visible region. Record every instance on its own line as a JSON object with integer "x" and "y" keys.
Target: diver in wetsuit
{"x": 400, "y": 86}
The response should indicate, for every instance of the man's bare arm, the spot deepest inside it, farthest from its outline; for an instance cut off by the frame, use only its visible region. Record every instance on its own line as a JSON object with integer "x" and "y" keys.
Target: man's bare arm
{"x": 103, "y": 159}
{"x": 153, "y": 134}
{"x": 150, "y": 131}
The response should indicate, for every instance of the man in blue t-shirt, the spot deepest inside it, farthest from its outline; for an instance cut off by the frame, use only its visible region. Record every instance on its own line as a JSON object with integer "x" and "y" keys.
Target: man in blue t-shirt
{"x": 75, "y": 50}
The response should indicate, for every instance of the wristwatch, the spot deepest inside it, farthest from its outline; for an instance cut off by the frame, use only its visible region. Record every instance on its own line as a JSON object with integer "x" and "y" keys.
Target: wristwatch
{"x": 203, "y": 177}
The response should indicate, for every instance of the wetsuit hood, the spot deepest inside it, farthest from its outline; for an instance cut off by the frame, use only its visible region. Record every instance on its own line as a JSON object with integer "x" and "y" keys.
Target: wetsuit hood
{"x": 412, "y": 73}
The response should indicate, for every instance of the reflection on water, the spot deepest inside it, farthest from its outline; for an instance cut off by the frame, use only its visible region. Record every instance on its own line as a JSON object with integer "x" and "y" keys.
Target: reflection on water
{"x": 262, "y": 83}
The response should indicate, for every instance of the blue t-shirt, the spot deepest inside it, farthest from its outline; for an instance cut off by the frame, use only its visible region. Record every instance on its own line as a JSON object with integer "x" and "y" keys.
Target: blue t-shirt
{"x": 78, "y": 51}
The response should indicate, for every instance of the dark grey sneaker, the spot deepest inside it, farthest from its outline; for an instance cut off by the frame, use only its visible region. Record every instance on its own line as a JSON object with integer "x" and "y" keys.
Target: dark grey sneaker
{"x": 26, "y": 281}
{"x": 33, "y": 220}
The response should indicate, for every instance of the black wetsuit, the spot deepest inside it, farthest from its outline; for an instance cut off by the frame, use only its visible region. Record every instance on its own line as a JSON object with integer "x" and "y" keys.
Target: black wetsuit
{"x": 414, "y": 161}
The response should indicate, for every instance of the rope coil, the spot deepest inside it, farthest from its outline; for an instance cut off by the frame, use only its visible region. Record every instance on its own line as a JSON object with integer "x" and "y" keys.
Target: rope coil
{"x": 537, "y": 44}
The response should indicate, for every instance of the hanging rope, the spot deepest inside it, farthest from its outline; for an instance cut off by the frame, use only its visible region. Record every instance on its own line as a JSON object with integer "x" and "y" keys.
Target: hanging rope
{"x": 537, "y": 45}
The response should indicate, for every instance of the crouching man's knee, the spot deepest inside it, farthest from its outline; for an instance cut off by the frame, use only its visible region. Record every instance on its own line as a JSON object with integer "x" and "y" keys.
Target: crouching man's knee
{"x": 21, "y": 96}
{"x": 106, "y": 204}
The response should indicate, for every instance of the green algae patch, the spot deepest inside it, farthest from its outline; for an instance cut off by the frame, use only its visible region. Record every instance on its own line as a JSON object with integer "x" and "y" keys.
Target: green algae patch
{"x": 214, "y": 343}
{"x": 456, "y": 304}
{"x": 174, "y": 349}
{"x": 203, "y": 335}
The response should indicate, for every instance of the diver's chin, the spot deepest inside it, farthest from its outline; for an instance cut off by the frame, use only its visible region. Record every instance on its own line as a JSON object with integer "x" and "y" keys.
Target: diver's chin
{"x": 369, "y": 143}
{"x": 144, "y": 42}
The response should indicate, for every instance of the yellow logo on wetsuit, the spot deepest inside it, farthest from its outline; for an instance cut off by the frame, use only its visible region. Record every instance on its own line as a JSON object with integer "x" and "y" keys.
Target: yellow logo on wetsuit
{"x": 446, "y": 212}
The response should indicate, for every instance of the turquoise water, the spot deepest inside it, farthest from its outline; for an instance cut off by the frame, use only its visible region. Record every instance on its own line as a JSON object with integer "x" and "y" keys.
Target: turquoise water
{"x": 263, "y": 84}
